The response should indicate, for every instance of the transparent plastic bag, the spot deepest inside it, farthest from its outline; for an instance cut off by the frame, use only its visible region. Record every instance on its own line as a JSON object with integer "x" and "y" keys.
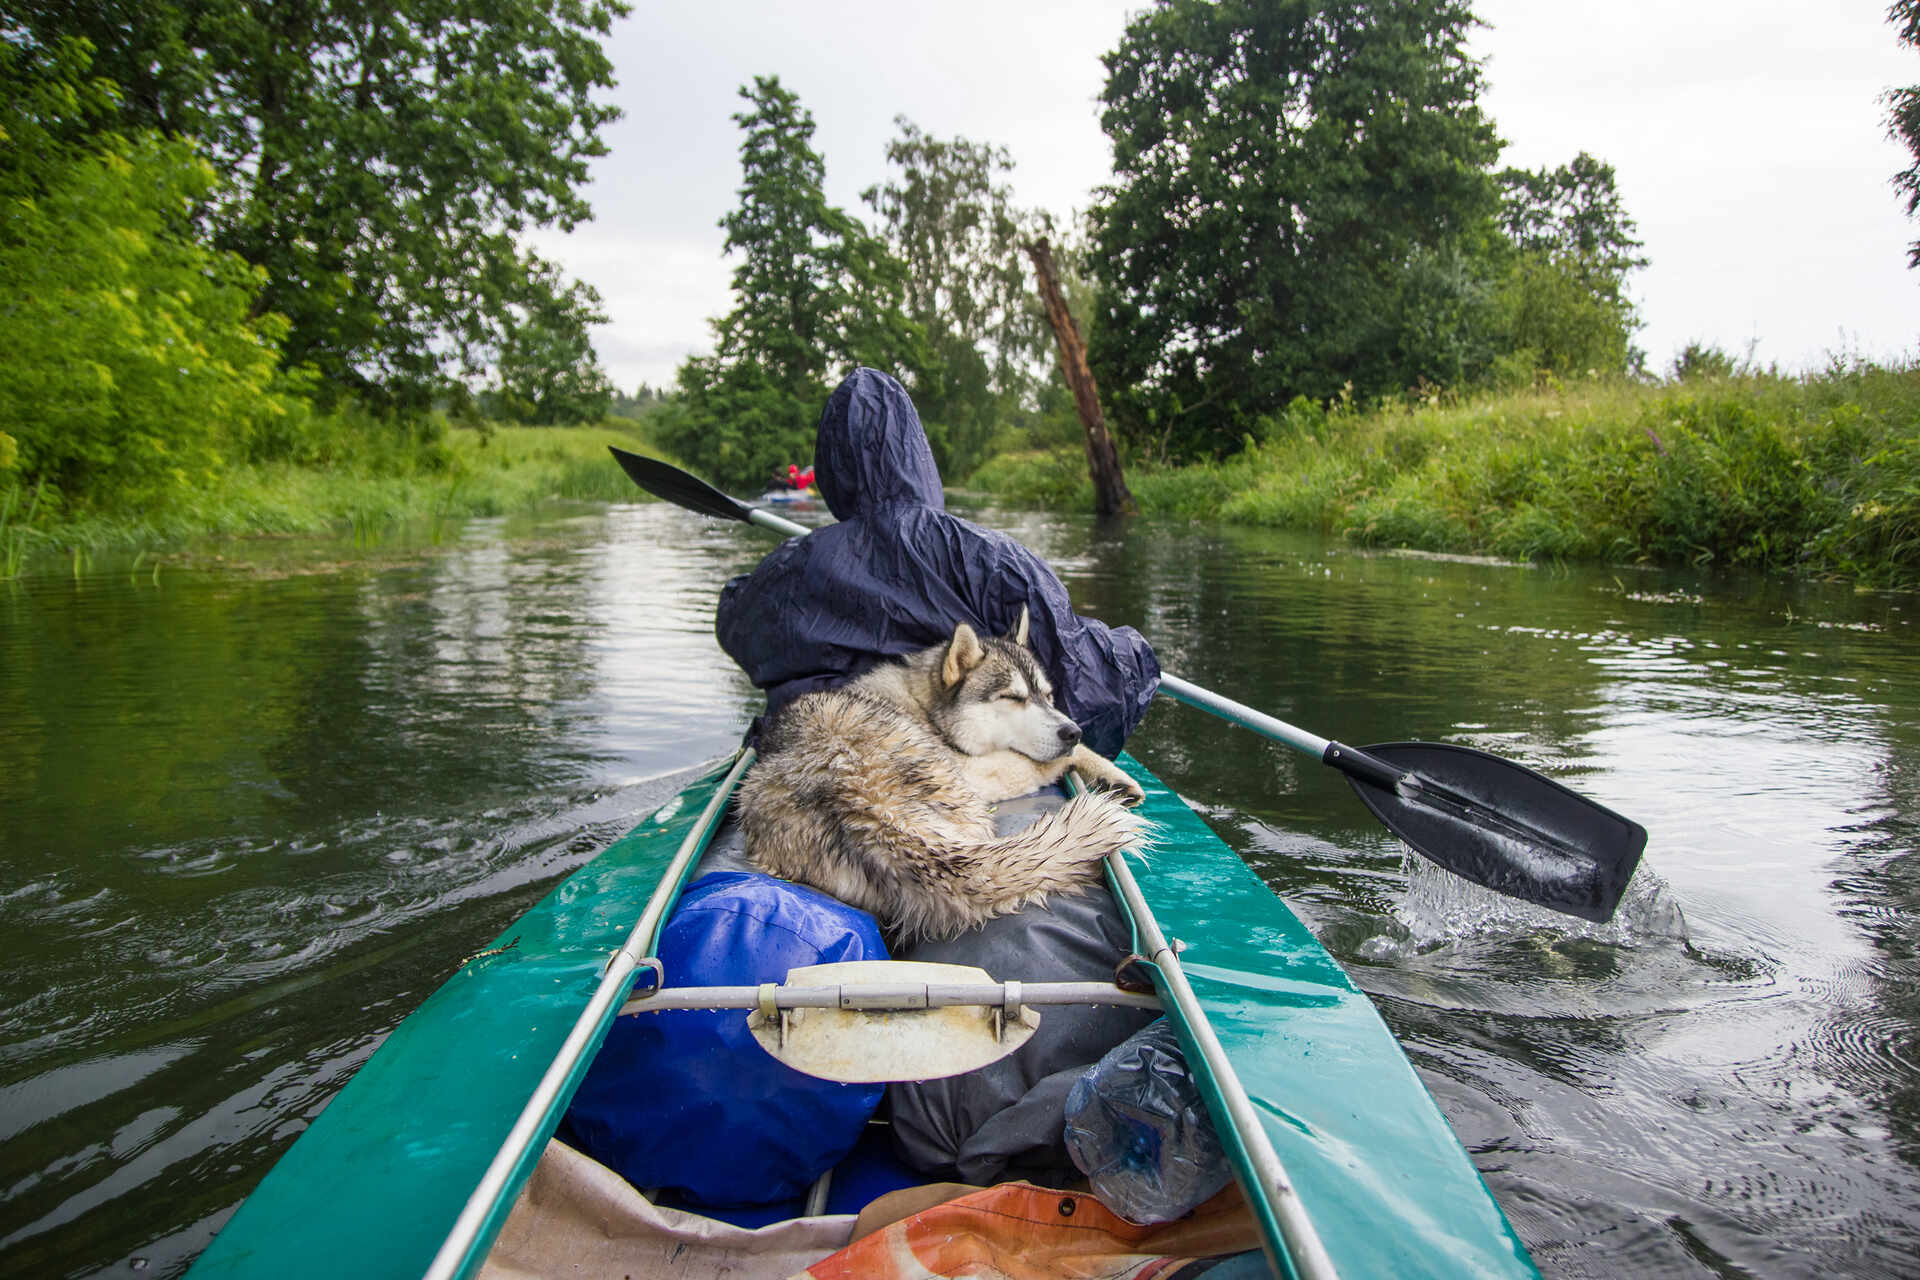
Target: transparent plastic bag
{"x": 1138, "y": 1128}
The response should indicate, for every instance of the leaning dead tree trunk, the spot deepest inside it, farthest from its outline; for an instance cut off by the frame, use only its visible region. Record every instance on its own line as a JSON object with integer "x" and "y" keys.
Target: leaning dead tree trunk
{"x": 1110, "y": 494}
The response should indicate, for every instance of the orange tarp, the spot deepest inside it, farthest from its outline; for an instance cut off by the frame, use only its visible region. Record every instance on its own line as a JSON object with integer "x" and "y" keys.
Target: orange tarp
{"x": 1023, "y": 1232}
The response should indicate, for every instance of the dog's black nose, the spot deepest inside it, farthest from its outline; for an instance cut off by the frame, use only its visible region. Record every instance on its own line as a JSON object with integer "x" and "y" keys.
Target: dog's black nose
{"x": 1070, "y": 734}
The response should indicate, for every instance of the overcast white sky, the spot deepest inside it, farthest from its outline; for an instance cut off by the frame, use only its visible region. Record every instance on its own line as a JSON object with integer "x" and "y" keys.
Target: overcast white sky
{"x": 1748, "y": 137}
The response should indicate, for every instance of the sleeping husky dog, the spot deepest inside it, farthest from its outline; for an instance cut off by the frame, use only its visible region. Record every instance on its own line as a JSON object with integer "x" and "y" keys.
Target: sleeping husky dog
{"x": 881, "y": 792}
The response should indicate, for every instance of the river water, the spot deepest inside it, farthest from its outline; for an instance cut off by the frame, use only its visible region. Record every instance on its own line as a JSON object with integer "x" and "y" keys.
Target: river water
{"x": 254, "y": 809}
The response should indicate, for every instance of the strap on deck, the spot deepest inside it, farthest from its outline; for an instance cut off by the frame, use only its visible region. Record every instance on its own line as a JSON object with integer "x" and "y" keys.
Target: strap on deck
{"x": 874, "y": 1021}
{"x": 889, "y": 997}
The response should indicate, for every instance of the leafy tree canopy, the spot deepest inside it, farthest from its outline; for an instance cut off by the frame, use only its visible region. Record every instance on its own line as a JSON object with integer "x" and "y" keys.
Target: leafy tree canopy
{"x": 643, "y": 403}
{"x": 547, "y": 370}
{"x": 815, "y": 294}
{"x": 1562, "y": 303}
{"x": 1572, "y": 213}
{"x": 379, "y": 158}
{"x": 1903, "y": 116}
{"x": 1303, "y": 200}
{"x": 52, "y": 105}
{"x": 1551, "y": 318}
{"x": 137, "y": 363}
{"x": 951, "y": 220}
{"x": 1701, "y": 361}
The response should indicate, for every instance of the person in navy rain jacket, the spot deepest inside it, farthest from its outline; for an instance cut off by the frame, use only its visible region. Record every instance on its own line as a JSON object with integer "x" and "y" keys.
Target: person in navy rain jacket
{"x": 898, "y": 571}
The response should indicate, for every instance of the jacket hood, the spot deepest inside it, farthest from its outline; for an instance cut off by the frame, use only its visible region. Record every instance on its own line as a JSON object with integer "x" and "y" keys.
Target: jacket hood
{"x": 871, "y": 451}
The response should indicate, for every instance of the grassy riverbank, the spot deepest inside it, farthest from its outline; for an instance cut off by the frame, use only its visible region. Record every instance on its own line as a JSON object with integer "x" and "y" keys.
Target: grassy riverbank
{"x": 465, "y": 472}
{"x": 1817, "y": 475}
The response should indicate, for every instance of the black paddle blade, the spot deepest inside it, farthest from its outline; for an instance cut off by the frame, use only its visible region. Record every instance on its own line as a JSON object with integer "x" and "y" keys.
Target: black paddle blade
{"x": 1502, "y": 825}
{"x": 671, "y": 484}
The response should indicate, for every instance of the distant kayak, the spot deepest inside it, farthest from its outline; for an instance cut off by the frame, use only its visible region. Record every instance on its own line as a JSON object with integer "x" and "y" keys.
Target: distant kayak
{"x": 790, "y": 498}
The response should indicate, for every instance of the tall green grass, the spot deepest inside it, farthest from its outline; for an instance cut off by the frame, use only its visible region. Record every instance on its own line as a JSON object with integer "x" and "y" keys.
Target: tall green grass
{"x": 1817, "y": 474}
{"x": 366, "y": 493}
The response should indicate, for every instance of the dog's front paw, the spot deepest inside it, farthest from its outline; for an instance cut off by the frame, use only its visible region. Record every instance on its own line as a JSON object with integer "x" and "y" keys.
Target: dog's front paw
{"x": 1099, "y": 772}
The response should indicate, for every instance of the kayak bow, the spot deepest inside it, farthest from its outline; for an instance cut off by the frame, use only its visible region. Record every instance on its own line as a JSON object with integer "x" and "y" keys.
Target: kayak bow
{"x": 415, "y": 1166}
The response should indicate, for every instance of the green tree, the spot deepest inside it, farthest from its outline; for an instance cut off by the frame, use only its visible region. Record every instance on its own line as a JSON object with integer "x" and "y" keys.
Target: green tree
{"x": 1552, "y": 320}
{"x": 52, "y": 105}
{"x": 1702, "y": 361}
{"x": 642, "y": 404}
{"x": 1572, "y": 212}
{"x": 815, "y": 294}
{"x": 1903, "y": 116}
{"x": 547, "y": 371}
{"x": 958, "y": 232}
{"x": 137, "y": 361}
{"x": 1563, "y": 303}
{"x": 1303, "y": 200}
{"x": 380, "y": 158}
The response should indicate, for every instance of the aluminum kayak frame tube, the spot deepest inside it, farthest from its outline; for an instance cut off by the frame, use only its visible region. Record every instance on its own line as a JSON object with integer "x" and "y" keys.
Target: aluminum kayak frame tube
{"x": 551, "y": 1094}
{"x": 1306, "y": 1258}
{"x": 885, "y": 997}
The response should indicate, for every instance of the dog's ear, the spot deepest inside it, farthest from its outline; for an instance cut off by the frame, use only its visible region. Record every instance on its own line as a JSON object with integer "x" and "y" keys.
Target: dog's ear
{"x": 1019, "y": 633}
{"x": 964, "y": 653}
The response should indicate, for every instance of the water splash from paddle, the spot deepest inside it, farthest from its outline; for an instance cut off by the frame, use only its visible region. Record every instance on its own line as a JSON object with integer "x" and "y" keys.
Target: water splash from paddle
{"x": 1440, "y": 907}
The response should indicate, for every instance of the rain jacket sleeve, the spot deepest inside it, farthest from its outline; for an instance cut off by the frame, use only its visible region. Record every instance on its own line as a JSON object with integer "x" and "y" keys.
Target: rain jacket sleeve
{"x": 1104, "y": 677}
{"x": 827, "y": 607}
{"x": 898, "y": 572}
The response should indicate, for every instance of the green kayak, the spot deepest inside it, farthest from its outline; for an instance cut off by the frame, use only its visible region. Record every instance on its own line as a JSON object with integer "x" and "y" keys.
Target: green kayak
{"x": 414, "y": 1167}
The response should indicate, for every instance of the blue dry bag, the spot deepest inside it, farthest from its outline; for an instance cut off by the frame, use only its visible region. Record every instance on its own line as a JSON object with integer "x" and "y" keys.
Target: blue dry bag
{"x": 688, "y": 1101}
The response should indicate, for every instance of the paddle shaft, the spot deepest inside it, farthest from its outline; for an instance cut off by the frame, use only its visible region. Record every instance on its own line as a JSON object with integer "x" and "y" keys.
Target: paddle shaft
{"x": 779, "y": 524}
{"x": 1495, "y": 822}
{"x": 1246, "y": 717}
{"x": 1347, "y": 759}
{"x": 1351, "y": 761}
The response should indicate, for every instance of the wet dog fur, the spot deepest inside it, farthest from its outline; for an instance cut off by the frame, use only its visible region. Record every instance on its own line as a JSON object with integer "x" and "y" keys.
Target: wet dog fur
{"x": 881, "y": 791}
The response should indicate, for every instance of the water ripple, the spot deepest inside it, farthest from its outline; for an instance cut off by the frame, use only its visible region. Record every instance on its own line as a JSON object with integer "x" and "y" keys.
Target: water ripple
{"x": 332, "y": 781}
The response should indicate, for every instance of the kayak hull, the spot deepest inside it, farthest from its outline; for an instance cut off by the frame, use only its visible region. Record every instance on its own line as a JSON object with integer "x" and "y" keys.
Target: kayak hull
{"x": 1382, "y": 1176}
{"x": 375, "y": 1184}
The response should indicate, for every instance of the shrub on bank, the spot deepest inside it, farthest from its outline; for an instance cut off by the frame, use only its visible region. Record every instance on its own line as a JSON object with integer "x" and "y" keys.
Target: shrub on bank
{"x": 135, "y": 366}
{"x": 449, "y": 474}
{"x": 1817, "y": 474}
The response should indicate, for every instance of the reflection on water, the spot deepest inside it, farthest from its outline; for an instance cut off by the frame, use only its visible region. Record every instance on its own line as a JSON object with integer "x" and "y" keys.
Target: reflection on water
{"x": 1723, "y": 1082}
{"x": 253, "y": 816}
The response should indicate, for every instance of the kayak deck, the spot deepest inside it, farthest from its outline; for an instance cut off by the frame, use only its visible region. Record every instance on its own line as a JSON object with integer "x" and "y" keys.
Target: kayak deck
{"x": 377, "y": 1181}
{"x": 1383, "y": 1177}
